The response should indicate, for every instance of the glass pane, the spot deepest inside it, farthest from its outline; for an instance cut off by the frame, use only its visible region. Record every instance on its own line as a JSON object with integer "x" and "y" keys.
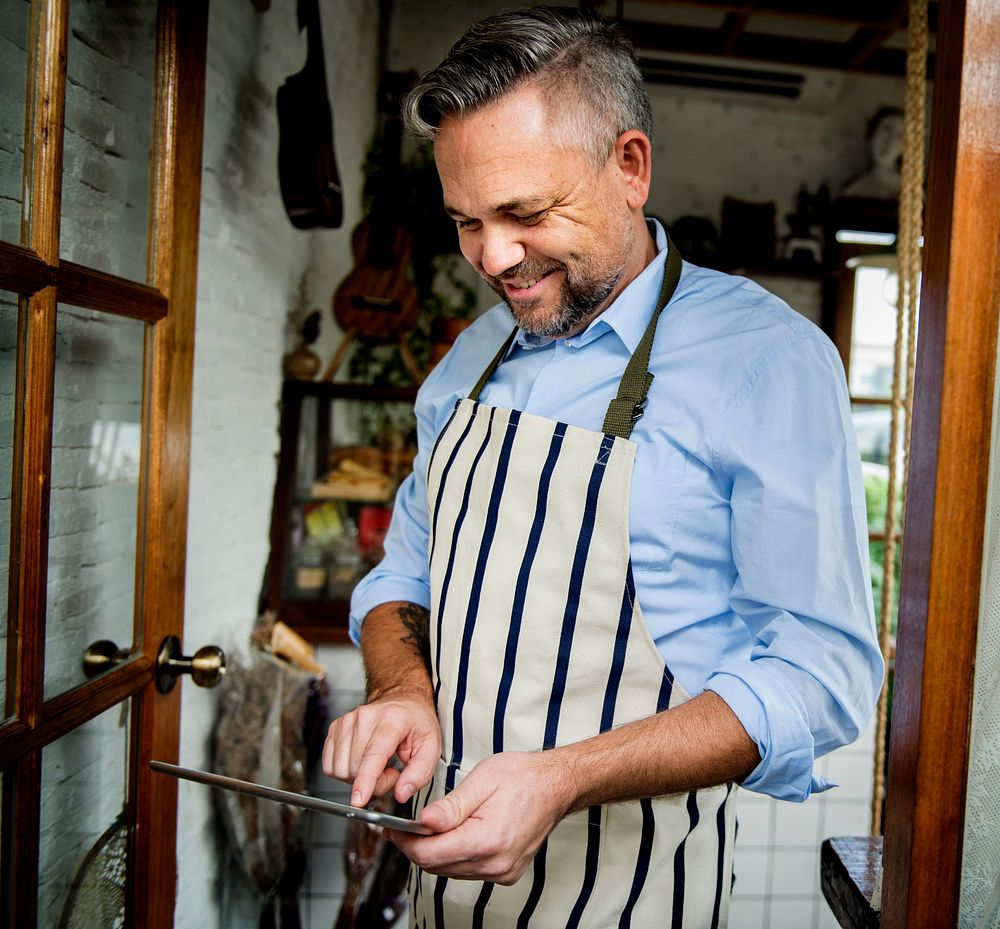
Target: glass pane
{"x": 14, "y": 16}
{"x": 13, "y": 70}
{"x": 96, "y": 442}
{"x": 871, "y": 423}
{"x": 109, "y": 105}
{"x": 81, "y": 872}
{"x": 873, "y": 333}
{"x": 8, "y": 374}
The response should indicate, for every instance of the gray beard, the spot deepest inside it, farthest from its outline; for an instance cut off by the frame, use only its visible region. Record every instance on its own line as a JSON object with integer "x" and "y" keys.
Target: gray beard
{"x": 582, "y": 296}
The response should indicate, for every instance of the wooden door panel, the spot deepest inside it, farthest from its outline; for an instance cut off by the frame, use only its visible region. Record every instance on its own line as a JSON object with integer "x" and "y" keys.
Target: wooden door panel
{"x": 8, "y": 380}
{"x": 98, "y": 456}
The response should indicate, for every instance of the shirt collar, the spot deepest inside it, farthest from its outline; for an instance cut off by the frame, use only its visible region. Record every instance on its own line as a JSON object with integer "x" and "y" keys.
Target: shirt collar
{"x": 628, "y": 316}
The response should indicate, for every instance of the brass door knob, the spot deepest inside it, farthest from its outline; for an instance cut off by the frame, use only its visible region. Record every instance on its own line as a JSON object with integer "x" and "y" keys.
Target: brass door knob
{"x": 206, "y": 666}
{"x": 102, "y": 656}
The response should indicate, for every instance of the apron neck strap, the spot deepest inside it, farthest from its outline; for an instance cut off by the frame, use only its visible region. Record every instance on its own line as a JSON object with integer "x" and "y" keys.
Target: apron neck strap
{"x": 627, "y": 408}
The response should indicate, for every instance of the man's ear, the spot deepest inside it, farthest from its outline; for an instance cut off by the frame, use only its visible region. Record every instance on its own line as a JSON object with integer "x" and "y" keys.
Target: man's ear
{"x": 633, "y": 155}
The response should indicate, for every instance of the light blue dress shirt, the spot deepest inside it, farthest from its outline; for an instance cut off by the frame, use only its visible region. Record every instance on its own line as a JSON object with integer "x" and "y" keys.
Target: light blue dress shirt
{"x": 747, "y": 516}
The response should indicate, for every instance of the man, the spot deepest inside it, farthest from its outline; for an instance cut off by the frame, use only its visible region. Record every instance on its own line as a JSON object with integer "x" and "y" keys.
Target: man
{"x": 630, "y": 568}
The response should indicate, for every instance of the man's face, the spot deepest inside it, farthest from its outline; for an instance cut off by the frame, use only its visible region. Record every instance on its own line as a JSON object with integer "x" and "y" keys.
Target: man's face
{"x": 552, "y": 236}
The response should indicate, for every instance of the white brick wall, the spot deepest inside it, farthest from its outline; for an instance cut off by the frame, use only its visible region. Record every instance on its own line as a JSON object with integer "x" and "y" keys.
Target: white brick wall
{"x": 250, "y": 263}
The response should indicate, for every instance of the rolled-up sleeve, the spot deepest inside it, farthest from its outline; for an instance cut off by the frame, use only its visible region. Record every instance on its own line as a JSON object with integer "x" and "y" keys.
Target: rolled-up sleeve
{"x": 800, "y": 550}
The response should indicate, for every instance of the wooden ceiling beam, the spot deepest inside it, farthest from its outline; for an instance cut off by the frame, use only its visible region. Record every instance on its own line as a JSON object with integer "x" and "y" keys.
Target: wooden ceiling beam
{"x": 752, "y": 46}
{"x": 868, "y": 39}
{"x": 852, "y": 12}
{"x": 731, "y": 30}
{"x": 862, "y": 45}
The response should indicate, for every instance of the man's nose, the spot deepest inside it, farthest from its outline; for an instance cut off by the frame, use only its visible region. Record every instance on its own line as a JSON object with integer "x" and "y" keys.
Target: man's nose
{"x": 501, "y": 250}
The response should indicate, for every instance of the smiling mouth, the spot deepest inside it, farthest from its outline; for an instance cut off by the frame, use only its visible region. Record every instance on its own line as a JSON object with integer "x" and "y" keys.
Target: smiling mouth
{"x": 523, "y": 285}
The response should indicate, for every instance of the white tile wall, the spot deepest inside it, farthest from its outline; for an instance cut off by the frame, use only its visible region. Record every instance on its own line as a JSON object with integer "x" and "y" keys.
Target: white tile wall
{"x": 778, "y": 844}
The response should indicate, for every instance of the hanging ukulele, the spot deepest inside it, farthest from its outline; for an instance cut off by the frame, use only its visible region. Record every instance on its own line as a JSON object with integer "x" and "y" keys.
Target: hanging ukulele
{"x": 307, "y": 165}
{"x": 377, "y": 301}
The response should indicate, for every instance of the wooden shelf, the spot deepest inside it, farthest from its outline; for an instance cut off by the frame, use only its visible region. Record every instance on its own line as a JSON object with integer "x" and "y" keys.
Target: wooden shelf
{"x": 318, "y": 620}
{"x": 849, "y": 867}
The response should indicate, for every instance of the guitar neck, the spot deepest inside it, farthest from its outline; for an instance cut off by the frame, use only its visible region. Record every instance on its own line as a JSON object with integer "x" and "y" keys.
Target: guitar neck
{"x": 308, "y": 12}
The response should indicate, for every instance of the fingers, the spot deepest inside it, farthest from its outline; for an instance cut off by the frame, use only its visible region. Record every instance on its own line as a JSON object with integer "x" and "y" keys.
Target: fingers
{"x": 491, "y": 826}
{"x": 454, "y": 809}
{"x": 360, "y": 745}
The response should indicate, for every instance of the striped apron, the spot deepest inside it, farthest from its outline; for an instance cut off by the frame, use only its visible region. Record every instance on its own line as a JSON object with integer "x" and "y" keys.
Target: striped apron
{"x": 537, "y": 640}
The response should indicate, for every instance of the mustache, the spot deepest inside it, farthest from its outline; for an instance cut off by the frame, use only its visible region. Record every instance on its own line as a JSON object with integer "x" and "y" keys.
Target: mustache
{"x": 529, "y": 268}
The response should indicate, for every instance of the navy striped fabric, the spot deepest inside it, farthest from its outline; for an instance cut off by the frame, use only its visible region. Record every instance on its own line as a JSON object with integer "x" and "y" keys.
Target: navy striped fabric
{"x": 693, "y": 816}
{"x": 472, "y": 612}
{"x": 590, "y": 868}
{"x": 573, "y": 595}
{"x": 620, "y": 874}
{"x": 456, "y": 533}
{"x": 618, "y": 659}
{"x": 521, "y": 586}
{"x": 641, "y": 862}
{"x": 444, "y": 475}
{"x": 480, "y": 908}
{"x": 720, "y": 822}
{"x": 537, "y": 886}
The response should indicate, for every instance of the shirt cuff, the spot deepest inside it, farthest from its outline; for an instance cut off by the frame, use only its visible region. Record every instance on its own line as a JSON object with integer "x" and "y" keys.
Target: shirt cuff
{"x": 373, "y": 590}
{"x": 774, "y": 718}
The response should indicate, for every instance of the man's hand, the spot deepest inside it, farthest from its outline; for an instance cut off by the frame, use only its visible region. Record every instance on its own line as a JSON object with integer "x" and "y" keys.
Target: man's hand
{"x": 494, "y": 822}
{"x": 361, "y": 744}
{"x": 399, "y": 718}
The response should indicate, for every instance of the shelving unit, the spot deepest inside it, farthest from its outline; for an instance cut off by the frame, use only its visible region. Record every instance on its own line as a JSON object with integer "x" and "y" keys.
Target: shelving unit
{"x": 325, "y": 534}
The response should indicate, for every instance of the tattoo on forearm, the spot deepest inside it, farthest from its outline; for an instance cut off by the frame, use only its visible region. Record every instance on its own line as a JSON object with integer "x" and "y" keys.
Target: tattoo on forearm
{"x": 417, "y": 622}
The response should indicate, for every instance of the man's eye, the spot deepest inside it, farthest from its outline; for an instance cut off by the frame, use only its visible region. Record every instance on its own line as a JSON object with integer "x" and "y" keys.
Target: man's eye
{"x": 531, "y": 219}
{"x": 466, "y": 223}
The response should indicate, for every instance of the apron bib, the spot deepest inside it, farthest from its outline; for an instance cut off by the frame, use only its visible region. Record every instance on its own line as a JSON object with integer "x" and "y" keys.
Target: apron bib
{"x": 537, "y": 640}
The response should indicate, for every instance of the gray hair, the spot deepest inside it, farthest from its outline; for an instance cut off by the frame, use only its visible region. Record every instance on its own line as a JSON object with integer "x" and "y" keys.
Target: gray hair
{"x": 583, "y": 66}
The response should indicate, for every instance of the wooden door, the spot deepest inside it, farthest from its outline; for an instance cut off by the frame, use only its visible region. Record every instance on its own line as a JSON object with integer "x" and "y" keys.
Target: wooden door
{"x": 98, "y": 252}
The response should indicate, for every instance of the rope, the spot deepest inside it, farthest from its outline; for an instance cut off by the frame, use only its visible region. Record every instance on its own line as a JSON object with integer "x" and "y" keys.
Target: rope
{"x": 911, "y": 201}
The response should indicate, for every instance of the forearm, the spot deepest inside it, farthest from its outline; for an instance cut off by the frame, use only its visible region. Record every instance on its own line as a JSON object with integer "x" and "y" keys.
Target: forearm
{"x": 697, "y": 744}
{"x": 395, "y": 646}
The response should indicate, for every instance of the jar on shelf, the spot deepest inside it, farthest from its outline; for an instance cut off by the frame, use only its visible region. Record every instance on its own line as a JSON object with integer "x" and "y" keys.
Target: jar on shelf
{"x": 310, "y": 569}
{"x": 345, "y": 564}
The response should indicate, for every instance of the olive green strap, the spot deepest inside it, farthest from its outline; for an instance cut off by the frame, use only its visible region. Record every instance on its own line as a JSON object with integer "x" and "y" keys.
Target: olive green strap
{"x": 492, "y": 366}
{"x": 627, "y": 408}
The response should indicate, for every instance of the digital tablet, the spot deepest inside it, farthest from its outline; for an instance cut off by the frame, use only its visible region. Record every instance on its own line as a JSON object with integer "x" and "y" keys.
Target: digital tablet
{"x": 295, "y": 799}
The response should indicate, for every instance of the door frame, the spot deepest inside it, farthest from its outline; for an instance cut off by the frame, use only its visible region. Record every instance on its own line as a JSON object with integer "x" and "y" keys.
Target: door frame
{"x": 36, "y": 272}
{"x": 947, "y": 486}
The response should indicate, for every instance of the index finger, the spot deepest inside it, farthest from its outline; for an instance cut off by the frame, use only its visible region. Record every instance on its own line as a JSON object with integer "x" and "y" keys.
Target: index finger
{"x": 374, "y": 763}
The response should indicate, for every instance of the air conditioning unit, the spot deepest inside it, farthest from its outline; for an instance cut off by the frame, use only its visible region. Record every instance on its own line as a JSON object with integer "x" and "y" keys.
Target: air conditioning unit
{"x": 814, "y": 88}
